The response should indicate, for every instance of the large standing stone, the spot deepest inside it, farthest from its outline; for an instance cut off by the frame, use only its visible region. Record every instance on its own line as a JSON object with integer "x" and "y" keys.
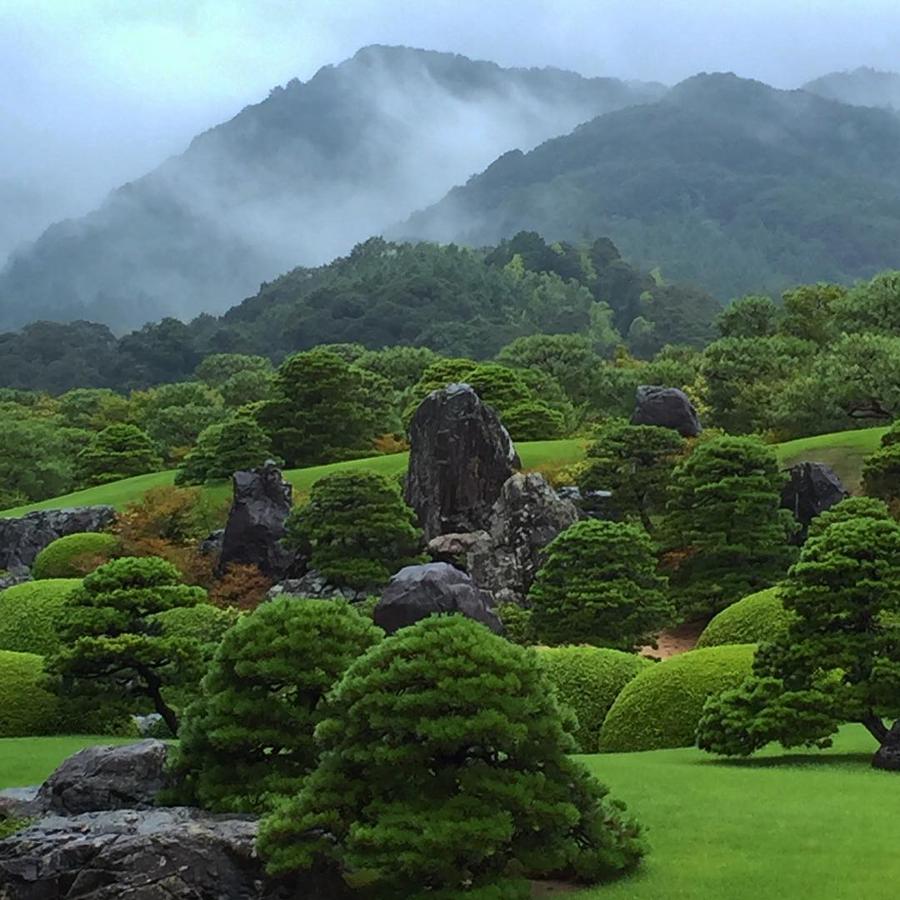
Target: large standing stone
{"x": 668, "y": 408}
{"x": 527, "y": 516}
{"x": 812, "y": 488}
{"x": 417, "y": 592}
{"x": 162, "y": 854}
{"x": 262, "y": 502}
{"x": 106, "y": 778}
{"x": 460, "y": 457}
{"x": 23, "y": 538}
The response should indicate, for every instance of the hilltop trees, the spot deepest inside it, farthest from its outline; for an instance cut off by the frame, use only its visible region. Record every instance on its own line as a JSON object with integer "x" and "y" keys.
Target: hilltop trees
{"x": 119, "y": 451}
{"x": 724, "y": 532}
{"x": 840, "y": 659}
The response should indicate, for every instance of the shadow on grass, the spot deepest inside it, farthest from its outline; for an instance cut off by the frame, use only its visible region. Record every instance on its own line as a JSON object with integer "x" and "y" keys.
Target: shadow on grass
{"x": 794, "y": 760}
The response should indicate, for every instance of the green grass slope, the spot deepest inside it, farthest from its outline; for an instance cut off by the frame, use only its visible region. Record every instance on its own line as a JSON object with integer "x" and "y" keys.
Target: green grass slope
{"x": 534, "y": 454}
{"x": 844, "y": 451}
{"x": 820, "y": 826}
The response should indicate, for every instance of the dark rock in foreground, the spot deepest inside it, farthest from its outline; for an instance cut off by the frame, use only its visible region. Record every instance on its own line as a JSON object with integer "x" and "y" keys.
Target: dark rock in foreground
{"x": 460, "y": 457}
{"x": 417, "y": 592}
{"x": 668, "y": 408}
{"x": 22, "y": 539}
{"x": 262, "y": 502}
{"x": 527, "y": 516}
{"x": 813, "y": 487}
{"x": 162, "y": 854}
{"x": 106, "y": 778}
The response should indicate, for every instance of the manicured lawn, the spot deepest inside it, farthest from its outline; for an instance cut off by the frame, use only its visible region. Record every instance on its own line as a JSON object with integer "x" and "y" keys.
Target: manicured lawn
{"x": 27, "y": 761}
{"x": 119, "y": 493}
{"x": 802, "y": 826}
{"x": 844, "y": 451}
{"x": 807, "y": 826}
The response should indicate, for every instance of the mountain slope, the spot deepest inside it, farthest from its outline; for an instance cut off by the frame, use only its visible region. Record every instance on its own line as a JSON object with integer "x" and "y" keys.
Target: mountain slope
{"x": 724, "y": 181}
{"x": 295, "y": 179}
{"x": 861, "y": 87}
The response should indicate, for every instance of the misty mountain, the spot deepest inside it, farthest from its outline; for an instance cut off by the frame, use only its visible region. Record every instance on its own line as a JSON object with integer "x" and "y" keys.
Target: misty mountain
{"x": 724, "y": 182}
{"x": 295, "y": 179}
{"x": 861, "y": 87}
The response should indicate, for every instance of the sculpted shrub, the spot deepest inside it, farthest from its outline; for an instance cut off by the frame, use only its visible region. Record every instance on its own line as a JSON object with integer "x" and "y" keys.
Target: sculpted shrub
{"x": 250, "y": 735}
{"x": 444, "y": 774}
{"x": 757, "y": 618}
{"x": 599, "y": 586}
{"x": 30, "y": 613}
{"x": 75, "y": 555}
{"x": 26, "y": 707}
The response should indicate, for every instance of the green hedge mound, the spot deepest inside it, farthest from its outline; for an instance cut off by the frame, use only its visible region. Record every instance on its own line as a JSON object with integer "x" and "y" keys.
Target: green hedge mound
{"x": 587, "y": 681}
{"x": 661, "y": 707}
{"x": 758, "y": 617}
{"x": 25, "y": 707}
{"x": 75, "y": 555}
{"x": 29, "y": 615}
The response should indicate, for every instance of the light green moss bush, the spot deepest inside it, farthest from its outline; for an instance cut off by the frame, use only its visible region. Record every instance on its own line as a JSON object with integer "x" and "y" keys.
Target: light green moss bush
{"x": 758, "y": 617}
{"x": 29, "y": 615}
{"x": 75, "y": 555}
{"x": 26, "y": 708}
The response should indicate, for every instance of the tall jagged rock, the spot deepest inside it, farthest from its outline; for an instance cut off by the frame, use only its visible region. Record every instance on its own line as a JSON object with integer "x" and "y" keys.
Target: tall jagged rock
{"x": 668, "y": 408}
{"x": 262, "y": 502}
{"x": 811, "y": 489}
{"x": 527, "y": 516}
{"x": 21, "y": 539}
{"x": 460, "y": 457}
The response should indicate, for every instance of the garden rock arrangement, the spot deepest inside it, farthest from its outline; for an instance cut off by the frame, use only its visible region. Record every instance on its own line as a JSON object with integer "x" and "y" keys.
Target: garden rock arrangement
{"x": 316, "y": 586}
{"x": 668, "y": 408}
{"x": 527, "y": 516}
{"x": 813, "y": 487}
{"x": 417, "y": 592}
{"x": 22, "y": 539}
{"x": 262, "y": 502}
{"x": 460, "y": 458}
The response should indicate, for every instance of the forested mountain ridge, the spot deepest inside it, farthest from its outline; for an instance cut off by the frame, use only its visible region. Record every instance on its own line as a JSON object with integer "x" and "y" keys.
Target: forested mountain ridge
{"x": 724, "y": 181}
{"x": 861, "y": 87}
{"x": 296, "y": 179}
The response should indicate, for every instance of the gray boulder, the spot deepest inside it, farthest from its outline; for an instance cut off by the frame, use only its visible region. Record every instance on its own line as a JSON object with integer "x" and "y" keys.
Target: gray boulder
{"x": 811, "y": 489}
{"x": 668, "y": 408}
{"x": 527, "y": 516}
{"x": 460, "y": 457}
{"x": 417, "y": 592}
{"x": 211, "y": 545}
{"x": 23, "y": 538}
{"x": 106, "y": 778}
{"x": 455, "y": 548}
{"x": 262, "y": 502}
{"x": 313, "y": 584}
{"x": 161, "y": 854}
{"x": 888, "y": 755}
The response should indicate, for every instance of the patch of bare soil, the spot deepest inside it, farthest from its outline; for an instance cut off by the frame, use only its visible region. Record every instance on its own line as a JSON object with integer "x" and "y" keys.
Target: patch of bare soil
{"x": 675, "y": 640}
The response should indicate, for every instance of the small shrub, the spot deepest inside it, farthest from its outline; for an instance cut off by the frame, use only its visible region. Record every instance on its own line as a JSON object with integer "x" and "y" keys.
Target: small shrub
{"x": 242, "y": 587}
{"x": 851, "y": 508}
{"x": 588, "y": 680}
{"x": 517, "y": 622}
{"x": 534, "y": 420}
{"x": 661, "y": 707}
{"x": 75, "y": 555}
{"x": 757, "y": 618}
{"x": 26, "y": 708}
{"x": 29, "y": 615}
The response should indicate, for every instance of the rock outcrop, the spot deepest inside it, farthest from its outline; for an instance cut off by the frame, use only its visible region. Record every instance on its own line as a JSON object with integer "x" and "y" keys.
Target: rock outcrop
{"x": 262, "y": 502}
{"x": 23, "y": 538}
{"x": 527, "y": 516}
{"x": 668, "y": 408}
{"x": 106, "y": 778}
{"x": 811, "y": 489}
{"x": 460, "y": 457}
{"x": 314, "y": 585}
{"x": 417, "y": 592}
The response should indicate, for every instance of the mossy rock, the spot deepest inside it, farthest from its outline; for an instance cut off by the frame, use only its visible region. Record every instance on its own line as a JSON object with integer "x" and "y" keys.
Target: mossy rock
{"x": 661, "y": 707}
{"x": 75, "y": 555}
{"x": 758, "y": 617}
{"x": 587, "y": 681}
{"x": 30, "y": 613}
{"x": 26, "y": 707}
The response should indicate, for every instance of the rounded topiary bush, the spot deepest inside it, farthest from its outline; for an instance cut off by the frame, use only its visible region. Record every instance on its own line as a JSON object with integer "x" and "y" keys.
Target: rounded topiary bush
{"x": 587, "y": 681}
{"x": 757, "y": 618}
{"x": 75, "y": 555}
{"x": 26, "y": 708}
{"x": 204, "y": 622}
{"x": 29, "y": 615}
{"x": 662, "y": 706}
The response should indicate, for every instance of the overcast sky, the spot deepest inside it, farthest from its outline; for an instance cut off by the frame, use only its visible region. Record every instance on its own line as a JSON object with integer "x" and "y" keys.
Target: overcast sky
{"x": 95, "y": 92}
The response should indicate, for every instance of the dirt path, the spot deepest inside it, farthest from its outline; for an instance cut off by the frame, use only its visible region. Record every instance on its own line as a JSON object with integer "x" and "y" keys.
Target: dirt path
{"x": 675, "y": 640}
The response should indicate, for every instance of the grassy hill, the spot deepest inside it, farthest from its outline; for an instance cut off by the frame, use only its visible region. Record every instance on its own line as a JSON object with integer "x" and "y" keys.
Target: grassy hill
{"x": 843, "y": 450}
{"x": 816, "y": 825}
{"x": 534, "y": 455}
